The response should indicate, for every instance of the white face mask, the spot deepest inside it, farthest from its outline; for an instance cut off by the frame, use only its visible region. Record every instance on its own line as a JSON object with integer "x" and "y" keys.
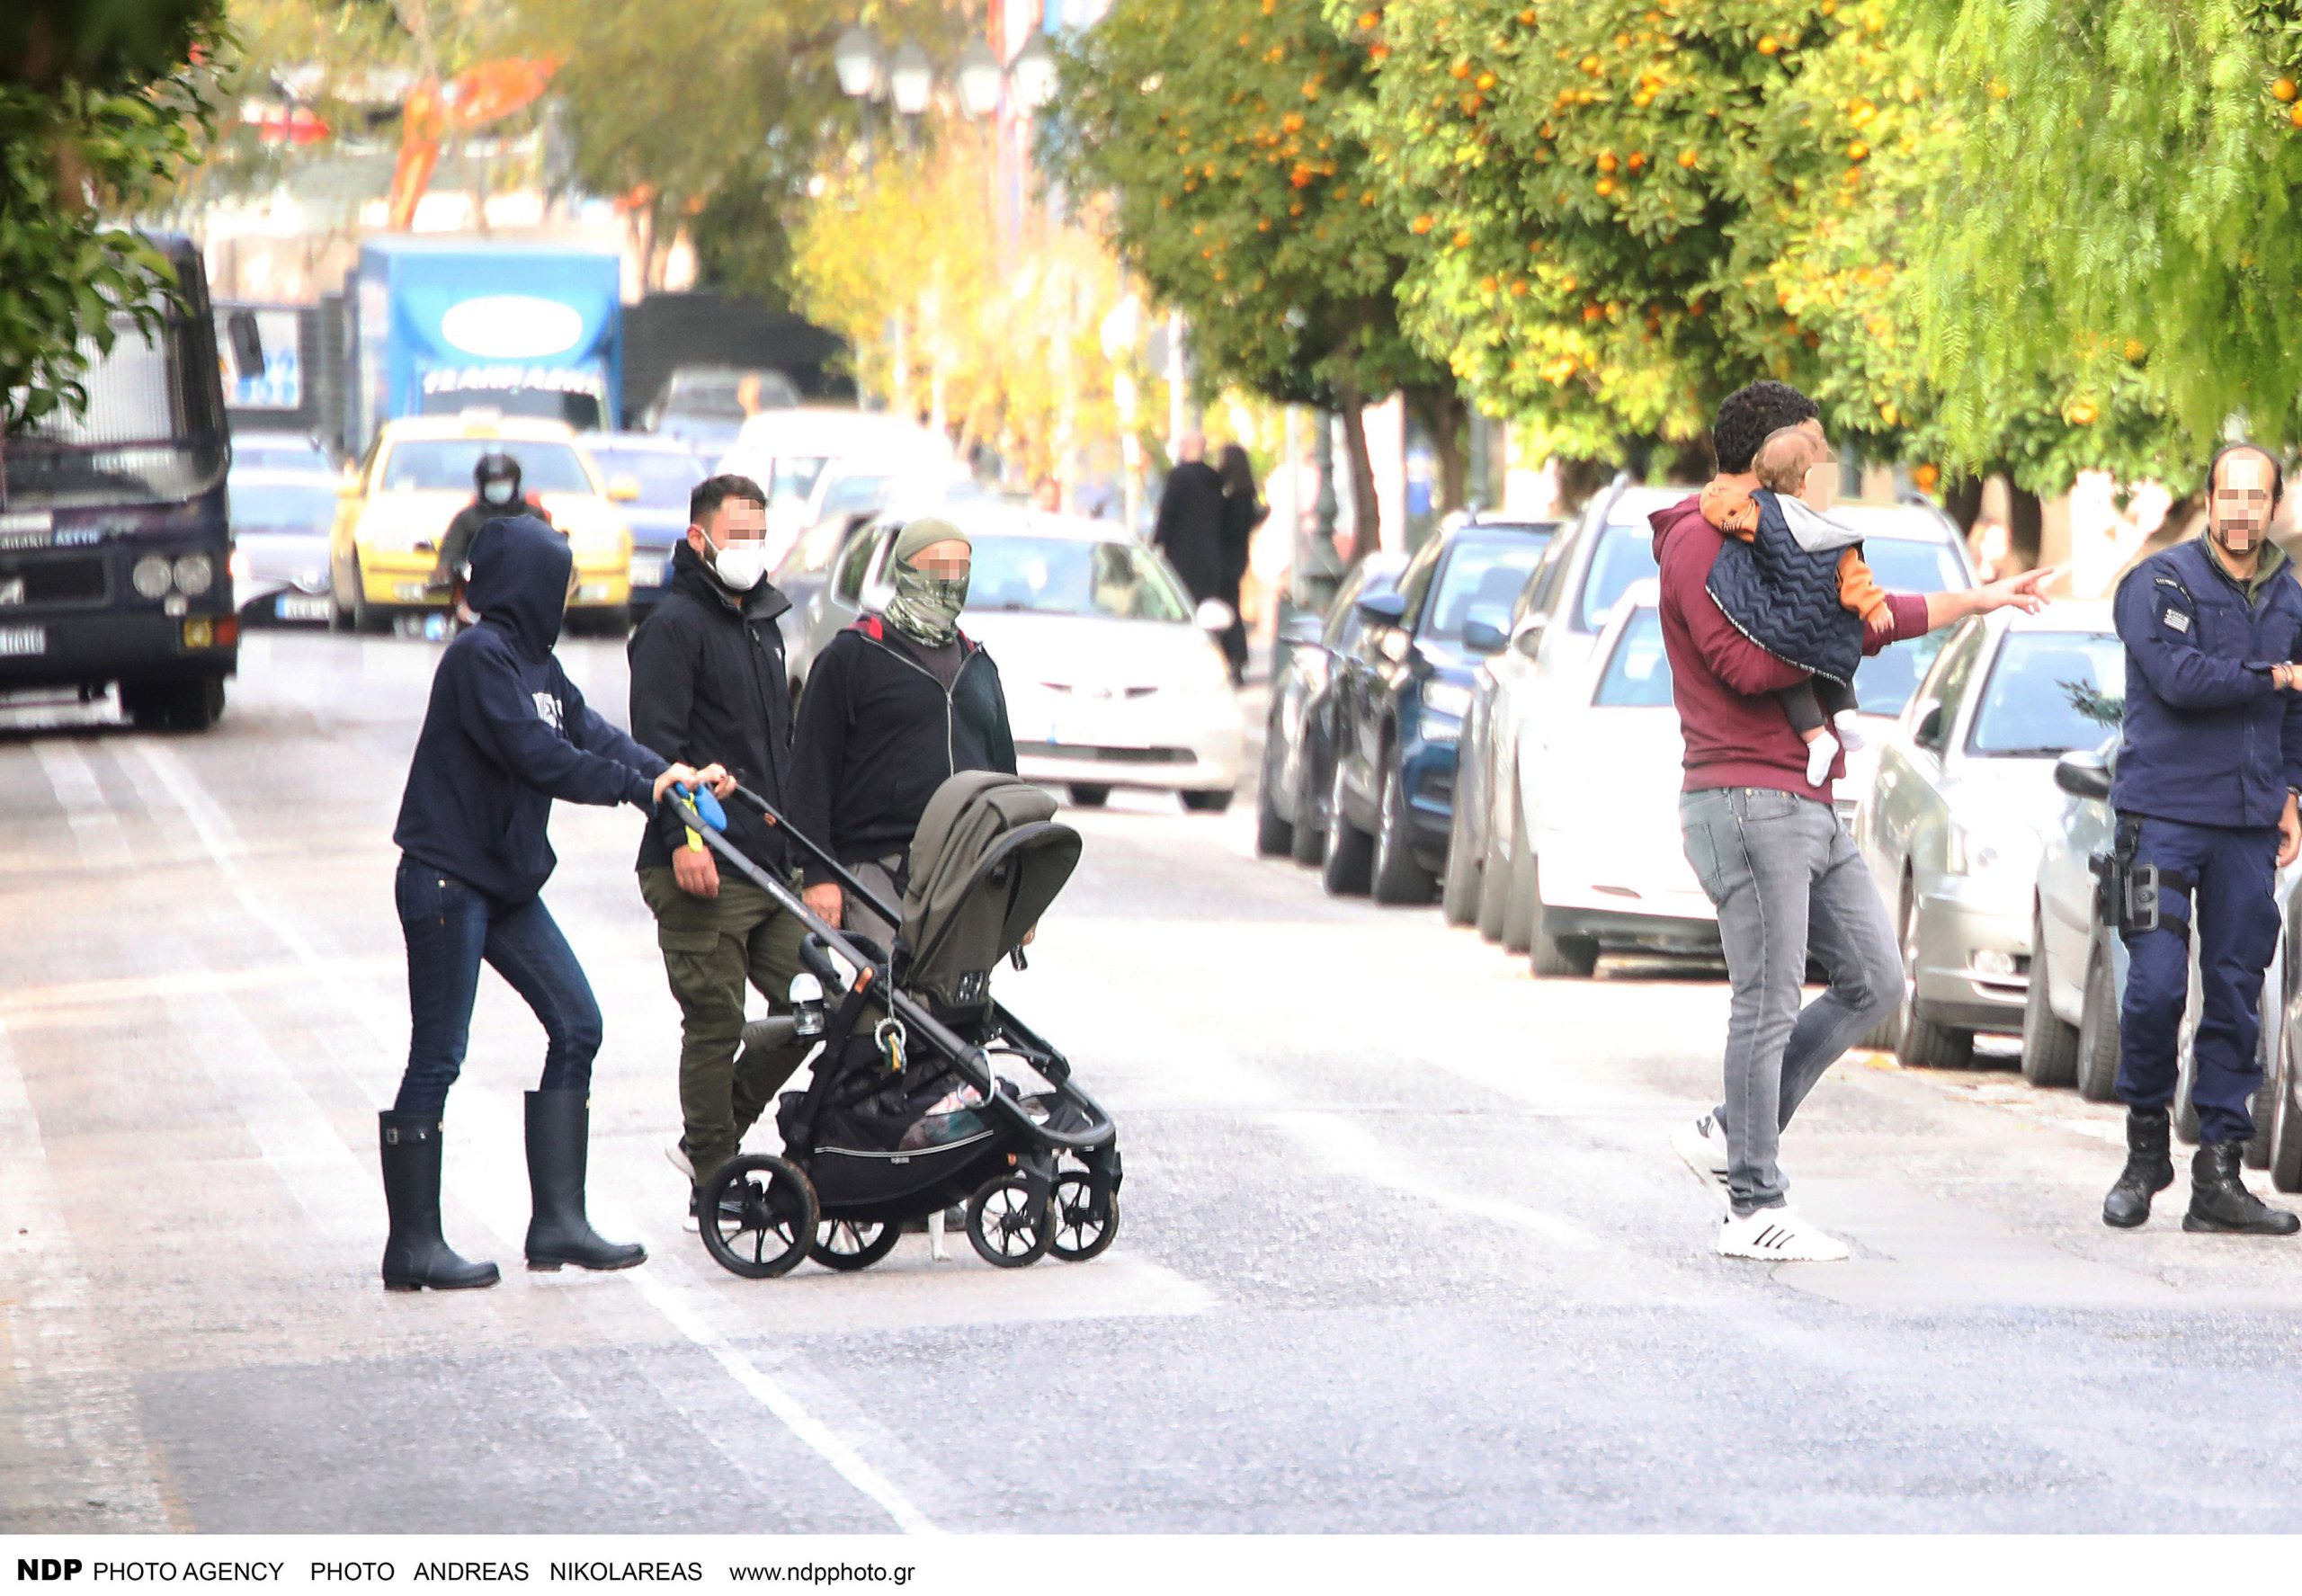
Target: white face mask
{"x": 740, "y": 565}
{"x": 496, "y": 493}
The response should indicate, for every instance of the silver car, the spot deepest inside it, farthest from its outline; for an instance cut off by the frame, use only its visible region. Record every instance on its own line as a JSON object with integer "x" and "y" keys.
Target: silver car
{"x": 1951, "y": 826}
{"x": 281, "y": 520}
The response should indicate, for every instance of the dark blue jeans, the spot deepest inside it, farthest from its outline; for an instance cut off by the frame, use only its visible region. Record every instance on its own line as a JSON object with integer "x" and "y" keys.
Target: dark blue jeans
{"x": 451, "y": 928}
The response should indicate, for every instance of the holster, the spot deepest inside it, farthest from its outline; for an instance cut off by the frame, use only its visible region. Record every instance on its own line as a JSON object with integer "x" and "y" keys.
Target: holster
{"x": 2139, "y": 897}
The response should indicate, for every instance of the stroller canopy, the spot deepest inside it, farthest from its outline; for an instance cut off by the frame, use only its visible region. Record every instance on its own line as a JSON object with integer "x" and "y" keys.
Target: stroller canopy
{"x": 986, "y": 861}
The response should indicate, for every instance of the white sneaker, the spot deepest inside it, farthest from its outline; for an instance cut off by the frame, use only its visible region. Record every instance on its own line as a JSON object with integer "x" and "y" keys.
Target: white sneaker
{"x": 677, "y": 1152}
{"x": 1702, "y": 1143}
{"x": 1847, "y": 729}
{"x": 1820, "y": 755}
{"x": 1776, "y": 1235}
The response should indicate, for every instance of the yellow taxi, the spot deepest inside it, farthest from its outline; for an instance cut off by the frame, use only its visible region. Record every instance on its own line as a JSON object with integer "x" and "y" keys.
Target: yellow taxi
{"x": 395, "y": 506}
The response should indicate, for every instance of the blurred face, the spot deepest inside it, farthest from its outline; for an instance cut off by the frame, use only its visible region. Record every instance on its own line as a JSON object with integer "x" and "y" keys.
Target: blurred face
{"x": 2239, "y": 502}
{"x": 736, "y": 520}
{"x": 947, "y": 561}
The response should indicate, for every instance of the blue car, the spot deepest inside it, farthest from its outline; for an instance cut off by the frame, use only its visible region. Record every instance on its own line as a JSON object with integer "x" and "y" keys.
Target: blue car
{"x": 1400, "y": 694}
{"x": 649, "y": 476}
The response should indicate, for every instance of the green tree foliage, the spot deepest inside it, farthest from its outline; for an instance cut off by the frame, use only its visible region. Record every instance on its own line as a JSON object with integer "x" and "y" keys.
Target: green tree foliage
{"x": 102, "y": 110}
{"x": 1229, "y": 135}
{"x": 2122, "y": 195}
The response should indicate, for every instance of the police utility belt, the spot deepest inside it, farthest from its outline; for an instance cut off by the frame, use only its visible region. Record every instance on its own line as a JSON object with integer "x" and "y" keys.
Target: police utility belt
{"x": 2139, "y": 897}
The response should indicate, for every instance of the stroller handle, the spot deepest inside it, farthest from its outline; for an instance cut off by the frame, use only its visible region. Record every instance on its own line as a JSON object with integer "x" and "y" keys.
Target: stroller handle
{"x": 970, "y": 1059}
{"x": 845, "y": 878}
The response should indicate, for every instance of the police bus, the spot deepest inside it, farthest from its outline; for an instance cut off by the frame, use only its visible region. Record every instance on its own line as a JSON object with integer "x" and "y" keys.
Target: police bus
{"x": 115, "y": 547}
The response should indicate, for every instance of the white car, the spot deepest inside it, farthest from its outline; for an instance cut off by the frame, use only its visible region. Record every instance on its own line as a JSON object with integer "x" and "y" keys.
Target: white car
{"x": 1610, "y": 868}
{"x": 794, "y": 452}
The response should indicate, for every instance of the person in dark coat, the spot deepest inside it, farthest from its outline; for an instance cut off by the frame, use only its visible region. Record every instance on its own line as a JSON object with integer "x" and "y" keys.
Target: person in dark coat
{"x": 1243, "y": 512}
{"x": 505, "y": 733}
{"x": 1190, "y": 528}
{"x": 708, "y": 685}
{"x": 495, "y": 494}
{"x": 898, "y": 705}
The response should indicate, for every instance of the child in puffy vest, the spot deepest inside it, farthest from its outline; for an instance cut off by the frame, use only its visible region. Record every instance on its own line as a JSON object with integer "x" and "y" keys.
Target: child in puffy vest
{"x": 1794, "y": 582}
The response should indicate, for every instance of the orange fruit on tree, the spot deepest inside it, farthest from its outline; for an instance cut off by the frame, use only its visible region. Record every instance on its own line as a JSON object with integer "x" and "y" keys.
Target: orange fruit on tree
{"x": 1460, "y": 69}
{"x": 2079, "y": 413}
{"x": 1462, "y": 238}
{"x": 1926, "y": 476}
{"x": 1371, "y": 20}
{"x": 1606, "y": 160}
{"x": 1768, "y": 44}
{"x": 1606, "y": 186}
{"x": 2295, "y": 116}
{"x": 1421, "y": 223}
{"x": 1485, "y": 81}
{"x": 1687, "y": 158}
{"x": 2283, "y": 90}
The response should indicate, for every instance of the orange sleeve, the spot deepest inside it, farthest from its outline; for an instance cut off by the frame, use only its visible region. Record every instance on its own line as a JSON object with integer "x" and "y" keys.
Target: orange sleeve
{"x": 1860, "y": 591}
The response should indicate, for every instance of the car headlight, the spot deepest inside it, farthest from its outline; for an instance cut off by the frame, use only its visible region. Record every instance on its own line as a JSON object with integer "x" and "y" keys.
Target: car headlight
{"x": 1982, "y": 848}
{"x": 151, "y": 577}
{"x": 1447, "y": 697}
{"x": 195, "y": 573}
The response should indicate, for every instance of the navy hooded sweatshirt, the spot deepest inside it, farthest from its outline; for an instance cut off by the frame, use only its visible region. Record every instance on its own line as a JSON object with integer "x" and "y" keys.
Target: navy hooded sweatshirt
{"x": 507, "y": 732}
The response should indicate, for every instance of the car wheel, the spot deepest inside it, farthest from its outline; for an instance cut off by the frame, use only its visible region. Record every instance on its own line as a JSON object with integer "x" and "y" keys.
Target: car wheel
{"x": 1396, "y": 877}
{"x": 1548, "y": 953}
{"x": 2285, "y": 1103}
{"x": 1493, "y": 877}
{"x": 1310, "y": 844}
{"x": 365, "y": 617}
{"x": 1207, "y": 803}
{"x": 2186, "y": 1061}
{"x": 1274, "y": 833}
{"x": 2049, "y": 1045}
{"x": 1919, "y": 1041}
{"x": 1347, "y": 868}
{"x": 181, "y": 705}
{"x": 1518, "y": 893}
{"x": 340, "y": 617}
{"x": 1459, "y": 887}
{"x": 1088, "y": 796}
{"x": 2098, "y": 1028}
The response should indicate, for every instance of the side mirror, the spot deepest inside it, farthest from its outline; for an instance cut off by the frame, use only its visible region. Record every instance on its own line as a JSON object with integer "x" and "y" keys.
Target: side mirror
{"x": 2083, "y": 773}
{"x": 247, "y": 343}
{"x": 1529, "y": 639}
{"x": 1213, "y": 615}
{"x": 623, "y": 490}
{"x": 1303, "y": 627}
{"x": 1929, "y": 733}
{"x": 1484, "y": 637}
{"x": 1383, "y": 608}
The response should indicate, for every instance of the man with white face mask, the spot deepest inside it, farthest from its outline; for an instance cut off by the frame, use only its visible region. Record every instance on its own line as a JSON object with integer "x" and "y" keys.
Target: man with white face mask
{"x": 707, "y": 672}
{"x": 2209, "y": 761}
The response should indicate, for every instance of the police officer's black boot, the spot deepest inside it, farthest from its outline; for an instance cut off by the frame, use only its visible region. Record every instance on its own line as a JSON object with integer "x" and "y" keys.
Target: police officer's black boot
{"x": 417, "y": 1255}
{"x": 560, "y": 1135}
{"x": 2219, "y": 1199}
{"x": 2149, "y": 1169}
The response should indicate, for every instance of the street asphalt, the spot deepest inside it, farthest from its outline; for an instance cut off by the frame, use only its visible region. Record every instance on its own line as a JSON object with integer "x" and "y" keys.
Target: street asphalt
{"x": 1403, "y": 1244}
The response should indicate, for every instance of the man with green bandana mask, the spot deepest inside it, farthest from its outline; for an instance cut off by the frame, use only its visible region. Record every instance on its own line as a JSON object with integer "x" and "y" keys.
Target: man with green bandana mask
{"x": 896, "y": 704}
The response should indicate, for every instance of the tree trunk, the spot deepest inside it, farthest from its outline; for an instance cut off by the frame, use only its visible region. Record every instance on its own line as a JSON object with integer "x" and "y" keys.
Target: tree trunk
{"x": 1962, "y": 502}
{"x": 1446, "y": 415}
{"x": 2025, "y": 528}
{"x": 1578, "y": 480}
{"x": 1366, "y": 518}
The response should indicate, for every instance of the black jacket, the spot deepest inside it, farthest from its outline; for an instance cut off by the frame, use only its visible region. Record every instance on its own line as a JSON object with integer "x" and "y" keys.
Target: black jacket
{"x": 507, "y": 732}
{"x": 878, "y": 735}
{"x": 455, "y": 543}
{"x": 708, "y": 685}
{"x": 1190, "y": 529}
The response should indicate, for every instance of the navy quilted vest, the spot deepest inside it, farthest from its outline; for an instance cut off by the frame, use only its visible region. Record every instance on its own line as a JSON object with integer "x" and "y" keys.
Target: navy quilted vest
{"x": 1785, "y": 598}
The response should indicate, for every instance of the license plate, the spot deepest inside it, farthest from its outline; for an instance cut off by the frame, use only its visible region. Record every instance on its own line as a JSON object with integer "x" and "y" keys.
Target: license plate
{"x": 296, "y": 606}
{"x": 648, "y": 574}
{"x": 23, "y": 640}
{"x": 592, "y": 592}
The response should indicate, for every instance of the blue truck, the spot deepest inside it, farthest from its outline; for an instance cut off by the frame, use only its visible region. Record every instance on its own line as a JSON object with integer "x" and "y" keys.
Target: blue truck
{"x": 442, "y": 325}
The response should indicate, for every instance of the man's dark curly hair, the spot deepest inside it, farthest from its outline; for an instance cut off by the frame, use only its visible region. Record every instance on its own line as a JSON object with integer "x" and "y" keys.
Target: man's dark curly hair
{"x": 1750, "y": 415}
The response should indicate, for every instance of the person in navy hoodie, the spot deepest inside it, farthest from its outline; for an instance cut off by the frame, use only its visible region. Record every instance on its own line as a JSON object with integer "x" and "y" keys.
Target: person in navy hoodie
{"x": 505, "y": 733}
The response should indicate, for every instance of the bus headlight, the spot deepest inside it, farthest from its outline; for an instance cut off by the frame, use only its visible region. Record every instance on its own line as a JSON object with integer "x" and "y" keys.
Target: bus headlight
{"x": 195, "y": 575}
{"x": 151, "y": 577}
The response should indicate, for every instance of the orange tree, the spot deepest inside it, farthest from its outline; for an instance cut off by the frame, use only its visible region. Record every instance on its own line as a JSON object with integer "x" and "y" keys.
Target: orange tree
{"x": 1226, "y": 133}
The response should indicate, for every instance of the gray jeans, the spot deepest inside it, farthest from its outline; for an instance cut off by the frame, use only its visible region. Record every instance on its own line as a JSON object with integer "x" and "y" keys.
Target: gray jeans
{"x": 1789, "y": 885}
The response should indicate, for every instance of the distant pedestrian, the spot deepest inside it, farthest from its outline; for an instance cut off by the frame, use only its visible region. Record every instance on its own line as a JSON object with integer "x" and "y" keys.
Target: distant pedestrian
{"x": 1769, "y": 847}
{"x": 1242, "y": 512}
{"x": 708, "y": 685}
{"x": 2209, "y": 761}
{"x": 495, "y": 494}
{"x": 505, "y": 733}
{"x": 1189, "y": 527}
{"x": 897, "y": 705}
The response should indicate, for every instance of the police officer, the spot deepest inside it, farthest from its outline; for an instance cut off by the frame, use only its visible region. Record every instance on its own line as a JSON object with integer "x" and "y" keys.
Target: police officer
{"x": 2209, "y": 763}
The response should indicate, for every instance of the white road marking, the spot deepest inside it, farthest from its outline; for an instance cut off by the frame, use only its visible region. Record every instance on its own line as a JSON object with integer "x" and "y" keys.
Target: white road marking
{"x": 1351, "y": 1149}
{"x": 95, "y": 830}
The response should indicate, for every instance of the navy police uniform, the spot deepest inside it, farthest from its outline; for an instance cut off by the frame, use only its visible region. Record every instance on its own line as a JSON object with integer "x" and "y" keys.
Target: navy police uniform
{"x": 2208, "y": 750}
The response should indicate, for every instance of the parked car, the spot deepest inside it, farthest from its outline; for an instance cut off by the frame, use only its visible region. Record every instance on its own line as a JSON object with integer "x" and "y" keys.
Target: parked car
{"x": 1400, "y": 695}
{"x": 787, "y": 453}
{"x": 1952, "y": 826}
{"x": 1298, "y": 730}
{"x": 706, "y": 406}
{"x": 649, "y": 476}
{"x": 1606, "y": 869}
{"x": 280, "y": 531}
{"x": 1911, "y": 546}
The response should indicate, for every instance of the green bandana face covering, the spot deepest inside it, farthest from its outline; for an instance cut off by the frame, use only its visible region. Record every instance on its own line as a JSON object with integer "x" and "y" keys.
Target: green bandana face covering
{"x": 926, "y": 609}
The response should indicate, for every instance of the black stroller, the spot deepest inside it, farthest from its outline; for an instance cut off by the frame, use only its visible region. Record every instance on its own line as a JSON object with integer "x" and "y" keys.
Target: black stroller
{"x": 908, "y": 1112}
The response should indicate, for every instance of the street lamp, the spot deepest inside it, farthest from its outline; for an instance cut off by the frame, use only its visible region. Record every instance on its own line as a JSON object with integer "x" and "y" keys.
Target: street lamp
{"x": 856, "y": 59}
{"x": 1033, "y": 74}
{"x": 979, "y": 80}
{"x": 911, "y": 78}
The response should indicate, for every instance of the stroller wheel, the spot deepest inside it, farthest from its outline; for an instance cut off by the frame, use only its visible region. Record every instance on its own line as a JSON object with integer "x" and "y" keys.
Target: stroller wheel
{"x": 1007, "y": 1228}
{"x": 758, "y": 1217}
{"x": 850, "y": 1245}
{"x": 1080, "y": 1227}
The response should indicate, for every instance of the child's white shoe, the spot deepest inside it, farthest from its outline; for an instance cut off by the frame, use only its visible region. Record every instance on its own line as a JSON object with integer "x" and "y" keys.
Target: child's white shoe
{"x": 1849, "y": 730}
{"x": 1820, "y": 754}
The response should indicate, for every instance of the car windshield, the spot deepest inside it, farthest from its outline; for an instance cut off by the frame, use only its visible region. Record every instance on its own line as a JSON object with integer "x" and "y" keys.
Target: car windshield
{"x": 664, "y": 475}
{"x": 2049, "y": 693}
{"x": 1637, "y": 674}
{"x": 851, "y": 494}
{"x": 1625, "y": 555}
{"x": 793, "y": 476}
{"x": 282, "y": 507}
{"x": 728, "y": 395}
{"x": 1061, "y": 577}
{"x": 286, "y": 454}
{"x": 147, "y": 435}
{"x": 444, "y": 464}
{"x": 1482, "y": 576}
{"x": 1884, "y": 682}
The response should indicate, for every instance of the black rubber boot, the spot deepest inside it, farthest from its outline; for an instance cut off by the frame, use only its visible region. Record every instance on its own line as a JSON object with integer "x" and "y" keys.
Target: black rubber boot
{"x": 2149, "y": 1169}
{"x": 417, "y": 1255}
{"x": 2220, "y": 1201}
{"x": 560, "y": 1135}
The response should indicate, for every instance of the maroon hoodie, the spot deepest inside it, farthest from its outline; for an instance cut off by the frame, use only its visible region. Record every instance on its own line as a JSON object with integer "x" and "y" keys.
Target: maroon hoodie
{"x": 1735, "y": 732}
